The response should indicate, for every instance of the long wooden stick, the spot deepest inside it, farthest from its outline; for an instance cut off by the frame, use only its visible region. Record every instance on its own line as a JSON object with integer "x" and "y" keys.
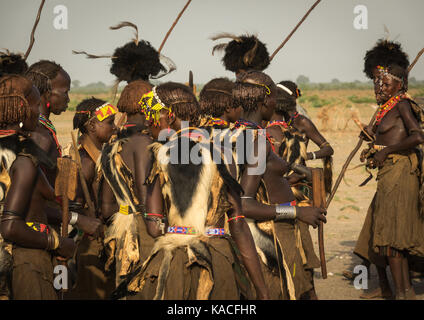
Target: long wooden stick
{"x": 347, "y": 162}
{"x": 318, "y": 194}
{"x": 415, "y": 60}
{"x": 173, "y": 25}
{"x": 37, "y": 19}
{"x": 294, "y": 30}
{"x": 91, "y": 208}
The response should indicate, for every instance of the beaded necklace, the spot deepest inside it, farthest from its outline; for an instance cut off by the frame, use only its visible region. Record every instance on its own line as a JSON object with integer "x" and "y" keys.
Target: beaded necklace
{"x": 389, "y": 105}
{"x": 278, "y": 123}
{"x": 294, "y": 116}
{"x": 49, "y": 126}
{"x": 217, "y": 122}
{"x": 252, "y": 125}
{"x": 7, "y": 133}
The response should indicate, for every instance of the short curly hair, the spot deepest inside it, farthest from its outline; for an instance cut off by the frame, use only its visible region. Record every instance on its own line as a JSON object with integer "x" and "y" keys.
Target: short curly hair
{"x": 216, "y": 96}
{"x": 251, "y": 89}
{"x": 182, "y": 100}
{"x": 80, "y": 119}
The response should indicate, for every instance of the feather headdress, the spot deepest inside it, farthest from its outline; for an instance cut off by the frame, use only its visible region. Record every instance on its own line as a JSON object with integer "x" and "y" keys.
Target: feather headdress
{"x": 242, "y": 52}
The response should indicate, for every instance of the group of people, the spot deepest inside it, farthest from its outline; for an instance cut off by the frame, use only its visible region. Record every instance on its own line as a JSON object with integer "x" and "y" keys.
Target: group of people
{"x": 176, "y": 206}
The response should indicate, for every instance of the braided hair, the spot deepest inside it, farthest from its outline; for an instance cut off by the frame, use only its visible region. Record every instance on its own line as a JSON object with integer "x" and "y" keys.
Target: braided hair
{"x": 182, "y": 100}
{"x": 42, "y": 73}
{"x": 251, "y": 88}
{"x": 216, "y": 96}
{"x": 285, "y": 101}
{"x": 88, "y": 106}
{"x": 14, "y": 107}
{"x": 130, "y": 96}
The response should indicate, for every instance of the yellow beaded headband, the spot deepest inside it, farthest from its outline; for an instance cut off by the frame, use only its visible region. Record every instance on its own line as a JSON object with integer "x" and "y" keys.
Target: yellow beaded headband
{"x": 103, "y": 112}
{"x": 151, "y": 105}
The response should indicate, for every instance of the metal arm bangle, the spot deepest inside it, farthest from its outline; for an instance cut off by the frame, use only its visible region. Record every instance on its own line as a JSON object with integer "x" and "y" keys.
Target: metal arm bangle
{"x": 284, "y": 212}
{"x": 74, "y": 218}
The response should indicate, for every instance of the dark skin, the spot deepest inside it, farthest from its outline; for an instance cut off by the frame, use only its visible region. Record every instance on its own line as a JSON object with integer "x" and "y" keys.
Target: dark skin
{"x": 240, "y": 231}
{"x": 306, "y": 127}
{"x": 57, "y": 100}
{"x": 278, "y": 188}
{"x": 99, "y": 132}
{"x": 135, "y": 155}
{"x": 232, "y": 114}
{"x": 398, "y": 131}
{"x": 28, "y": 193}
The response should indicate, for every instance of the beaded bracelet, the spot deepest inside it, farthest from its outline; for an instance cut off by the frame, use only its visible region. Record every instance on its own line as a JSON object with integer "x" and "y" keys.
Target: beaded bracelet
{"x": 235, "y": 218}
{"x": 153, "y": 214}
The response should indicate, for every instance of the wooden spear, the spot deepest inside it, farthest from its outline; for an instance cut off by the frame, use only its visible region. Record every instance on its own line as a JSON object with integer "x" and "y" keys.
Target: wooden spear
{"x": 173, "y": 25}
{"x": 294, "y": 30}
{"x": 32, "y": 38}
{"x": 90, "y": 204}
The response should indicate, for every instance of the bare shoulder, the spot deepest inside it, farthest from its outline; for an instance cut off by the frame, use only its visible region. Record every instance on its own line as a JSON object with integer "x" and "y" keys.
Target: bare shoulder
{"x": 404, "y": 105}
{"x": 141, "y": 140}
{"x": 42, "y": 137}
{"x": 23, "y": 166}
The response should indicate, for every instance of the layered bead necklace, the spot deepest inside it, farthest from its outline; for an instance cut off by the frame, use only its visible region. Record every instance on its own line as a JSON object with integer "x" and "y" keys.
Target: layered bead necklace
{"x": 49, "y": 126}
{"x": 389, "y": 105}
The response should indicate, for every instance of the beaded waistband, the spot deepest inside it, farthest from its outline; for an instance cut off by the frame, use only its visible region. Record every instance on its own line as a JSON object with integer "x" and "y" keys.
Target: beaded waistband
{"x": 40, "y": 227}
{"x": 193, "y": 231}
{"x": 289, "y": 204}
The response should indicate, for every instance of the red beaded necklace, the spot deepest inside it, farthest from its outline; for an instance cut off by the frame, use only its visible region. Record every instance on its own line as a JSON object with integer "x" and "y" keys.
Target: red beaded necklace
{"x": 7, "y": 133}
{"x": 389, "y": 105}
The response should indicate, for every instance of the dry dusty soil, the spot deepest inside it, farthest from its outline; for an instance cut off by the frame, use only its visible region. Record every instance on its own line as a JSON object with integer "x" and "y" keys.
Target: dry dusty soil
{"x": 348, "y": 208}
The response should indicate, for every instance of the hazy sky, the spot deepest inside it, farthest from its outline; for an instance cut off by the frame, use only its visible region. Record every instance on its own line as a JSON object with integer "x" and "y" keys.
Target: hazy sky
{"x": 325, "y": 47}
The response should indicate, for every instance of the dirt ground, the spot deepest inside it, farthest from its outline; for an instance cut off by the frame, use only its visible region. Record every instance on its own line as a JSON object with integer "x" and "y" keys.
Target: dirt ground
{"x": 347, "y": 210}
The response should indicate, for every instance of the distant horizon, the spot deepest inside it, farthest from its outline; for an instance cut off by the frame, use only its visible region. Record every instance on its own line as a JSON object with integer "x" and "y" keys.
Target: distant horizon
{"x": 330, "y": 44}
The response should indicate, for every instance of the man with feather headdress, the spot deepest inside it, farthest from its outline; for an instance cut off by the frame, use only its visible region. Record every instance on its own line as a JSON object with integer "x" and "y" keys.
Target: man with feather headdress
{"x": 394, "y": 227}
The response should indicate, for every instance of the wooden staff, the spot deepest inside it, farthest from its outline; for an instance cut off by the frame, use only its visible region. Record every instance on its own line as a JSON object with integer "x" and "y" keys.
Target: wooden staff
{"x": 318, "y": 195}
{"x": 65, "y": 186}
{"x": 415, "y": 60}
{"x": 173, "y": 25}
{"x": 91, "y": 208}
{"x": 294, "y": 30}
{"x": 347, "y": 162}
{"x": 32, "y": 38}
